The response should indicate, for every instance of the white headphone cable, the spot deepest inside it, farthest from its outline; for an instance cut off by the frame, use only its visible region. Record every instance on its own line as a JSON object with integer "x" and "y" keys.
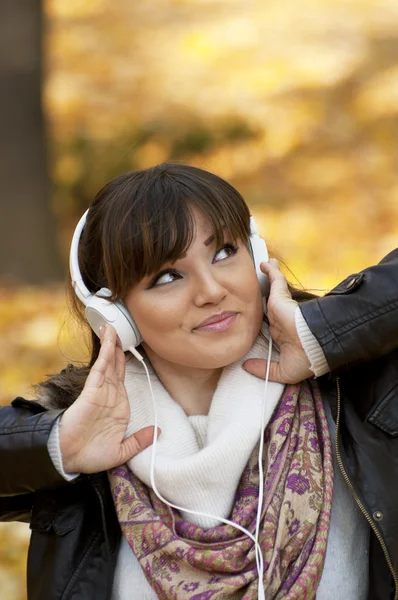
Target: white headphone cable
{"x": 259, "y": 557}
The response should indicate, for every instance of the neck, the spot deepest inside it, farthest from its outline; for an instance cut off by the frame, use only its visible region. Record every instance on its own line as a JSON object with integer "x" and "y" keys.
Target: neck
{"x": 191, "y": 388}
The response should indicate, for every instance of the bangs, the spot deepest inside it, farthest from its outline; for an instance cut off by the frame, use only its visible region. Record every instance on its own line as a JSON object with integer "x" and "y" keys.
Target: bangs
{"x": 150, "y": 220}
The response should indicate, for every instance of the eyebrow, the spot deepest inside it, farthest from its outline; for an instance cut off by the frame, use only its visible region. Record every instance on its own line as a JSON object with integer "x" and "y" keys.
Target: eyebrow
{"x": 206, "y": 243}
{"x": 209, "y": 240}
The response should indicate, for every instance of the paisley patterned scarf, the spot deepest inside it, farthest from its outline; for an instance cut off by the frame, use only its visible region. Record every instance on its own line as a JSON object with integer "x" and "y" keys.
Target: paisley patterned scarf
{"x": 184, "y": 561}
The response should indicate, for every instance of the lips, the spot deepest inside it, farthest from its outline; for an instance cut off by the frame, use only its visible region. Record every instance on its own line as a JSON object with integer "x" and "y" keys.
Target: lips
{"x": 216, "y": 318}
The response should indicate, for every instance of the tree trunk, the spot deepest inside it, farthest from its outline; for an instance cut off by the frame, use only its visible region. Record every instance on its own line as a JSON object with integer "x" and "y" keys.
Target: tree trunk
{"x": 28, "y": 248}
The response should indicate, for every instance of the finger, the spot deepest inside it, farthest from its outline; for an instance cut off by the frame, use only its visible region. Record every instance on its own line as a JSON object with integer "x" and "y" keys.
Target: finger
{"x": 110, "y": 339}
{"x": 137, "y": 442}
{"x": 271, "y": 268}
{"x": 99, "y": 370}
{"x": 120, "y": 363}
{"x": 278, "y": 281}
{"x": 272, "y": 263}
{"x": 258, "y": 368}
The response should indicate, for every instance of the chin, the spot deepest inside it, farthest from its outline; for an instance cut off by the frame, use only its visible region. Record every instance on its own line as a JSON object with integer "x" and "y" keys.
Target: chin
{"x": 230, "y": 353}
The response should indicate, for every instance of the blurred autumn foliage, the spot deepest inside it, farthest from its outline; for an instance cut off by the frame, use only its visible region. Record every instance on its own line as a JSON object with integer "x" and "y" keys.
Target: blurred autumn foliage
{"x": 294, "y": 102}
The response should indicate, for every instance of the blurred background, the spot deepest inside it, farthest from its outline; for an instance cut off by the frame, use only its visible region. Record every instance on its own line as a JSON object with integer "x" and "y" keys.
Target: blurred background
{"x": 295, "y": 102}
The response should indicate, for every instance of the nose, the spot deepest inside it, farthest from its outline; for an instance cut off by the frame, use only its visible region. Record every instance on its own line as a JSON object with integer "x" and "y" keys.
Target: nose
{"x": 208, "y": 290}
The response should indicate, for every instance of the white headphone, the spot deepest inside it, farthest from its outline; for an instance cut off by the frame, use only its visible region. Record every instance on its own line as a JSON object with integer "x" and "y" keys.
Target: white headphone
{"x": 100, "y": 311}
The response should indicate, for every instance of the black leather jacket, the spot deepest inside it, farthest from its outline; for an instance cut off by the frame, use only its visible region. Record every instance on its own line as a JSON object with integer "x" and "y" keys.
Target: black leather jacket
{"x": 75, "y": 533}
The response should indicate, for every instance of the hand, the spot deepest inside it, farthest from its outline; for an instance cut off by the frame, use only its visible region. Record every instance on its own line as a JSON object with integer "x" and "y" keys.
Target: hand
{"x": 293, "y": 365}
{"x": 93, "y": 428}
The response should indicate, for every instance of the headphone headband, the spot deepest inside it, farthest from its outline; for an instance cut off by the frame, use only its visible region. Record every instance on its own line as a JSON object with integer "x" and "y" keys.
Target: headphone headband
{"x": 82, "y": 292}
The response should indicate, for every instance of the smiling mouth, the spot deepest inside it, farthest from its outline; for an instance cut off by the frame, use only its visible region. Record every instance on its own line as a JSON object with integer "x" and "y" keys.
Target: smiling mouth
{"x": 218, "y": 323}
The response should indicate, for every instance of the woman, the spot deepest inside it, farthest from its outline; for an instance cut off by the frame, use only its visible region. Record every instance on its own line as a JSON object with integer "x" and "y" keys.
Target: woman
{"x": 172, "y": 244}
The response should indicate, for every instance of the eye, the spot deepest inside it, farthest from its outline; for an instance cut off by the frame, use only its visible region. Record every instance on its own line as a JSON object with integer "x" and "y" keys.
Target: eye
{"x": 169, "y": 275}
{"x": 164, "y": 277}
{"x": 225, "y": 252}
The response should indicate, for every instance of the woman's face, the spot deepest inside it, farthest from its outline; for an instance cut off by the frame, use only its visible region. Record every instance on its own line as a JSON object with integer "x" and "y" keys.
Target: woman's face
{"x": 220, "y": 284}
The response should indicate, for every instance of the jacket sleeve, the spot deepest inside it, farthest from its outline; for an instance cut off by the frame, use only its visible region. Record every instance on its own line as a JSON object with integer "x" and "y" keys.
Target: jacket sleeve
{"x": 25, "y": 463}
{"x": 54, "y": 450}
{"x": 358, "y": 320}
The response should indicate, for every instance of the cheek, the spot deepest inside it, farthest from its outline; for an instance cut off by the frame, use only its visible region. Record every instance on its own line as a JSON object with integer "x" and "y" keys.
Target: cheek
{"x": 157, "y": 315}
{"x": 250, "y": 293}
{"x": 248, "y": 287}
{"x": 161, "y": 323}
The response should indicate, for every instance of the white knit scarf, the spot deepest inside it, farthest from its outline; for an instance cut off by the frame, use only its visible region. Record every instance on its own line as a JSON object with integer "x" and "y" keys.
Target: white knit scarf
{"x": 188, "y": 473}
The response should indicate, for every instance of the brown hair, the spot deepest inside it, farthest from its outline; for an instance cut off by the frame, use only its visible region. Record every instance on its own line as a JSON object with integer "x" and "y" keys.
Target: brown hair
{"x": 139, "y": 221}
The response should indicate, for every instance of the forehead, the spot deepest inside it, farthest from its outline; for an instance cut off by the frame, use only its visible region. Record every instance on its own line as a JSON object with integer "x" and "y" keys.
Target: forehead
{"x": 202, "y": 224}
{"x": 203, "y": 232}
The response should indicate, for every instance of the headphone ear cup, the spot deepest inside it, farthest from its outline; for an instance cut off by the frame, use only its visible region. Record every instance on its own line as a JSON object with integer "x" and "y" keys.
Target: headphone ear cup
{"x": 260, "y": 254}
{"x": 100, "y": 311}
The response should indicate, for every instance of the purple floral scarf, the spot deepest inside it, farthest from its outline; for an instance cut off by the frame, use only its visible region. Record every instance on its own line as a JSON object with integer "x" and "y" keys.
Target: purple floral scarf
{"x": 183, "y": 561}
